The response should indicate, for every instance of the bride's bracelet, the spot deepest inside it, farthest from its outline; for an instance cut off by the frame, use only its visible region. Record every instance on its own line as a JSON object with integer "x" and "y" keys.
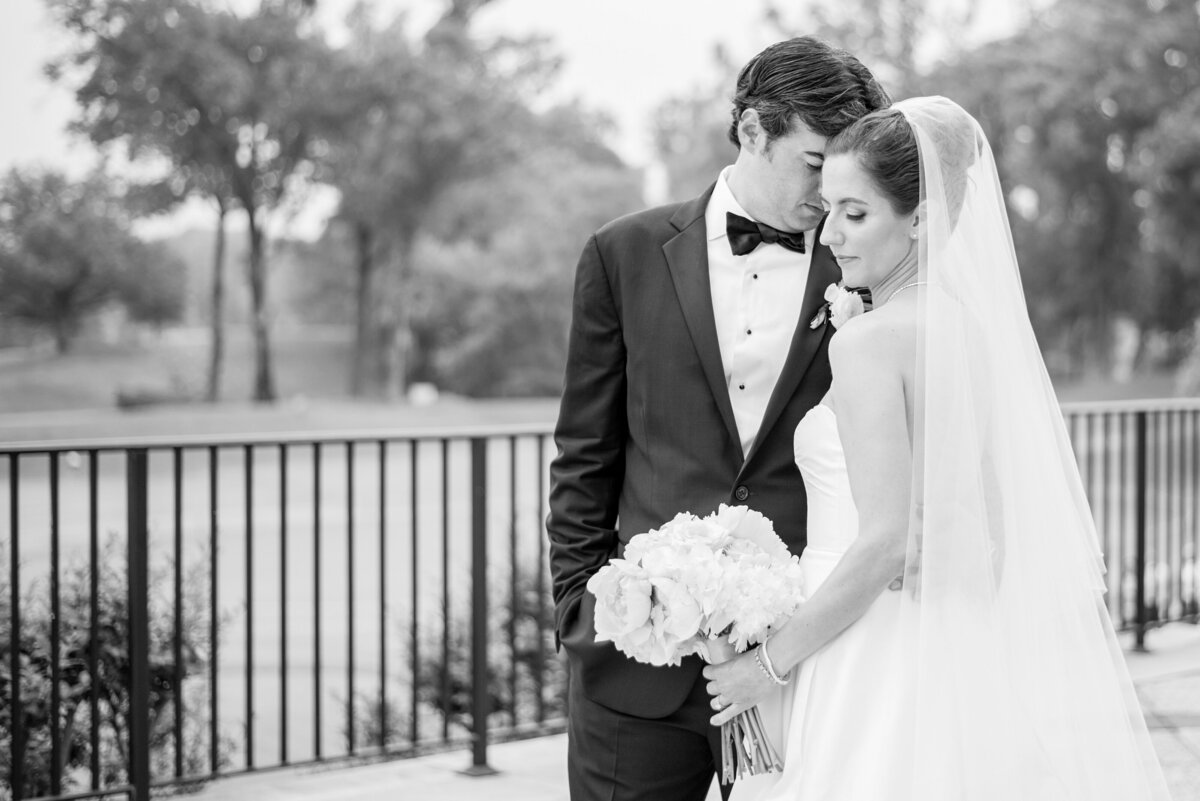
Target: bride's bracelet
{"x": 764, "y": 663}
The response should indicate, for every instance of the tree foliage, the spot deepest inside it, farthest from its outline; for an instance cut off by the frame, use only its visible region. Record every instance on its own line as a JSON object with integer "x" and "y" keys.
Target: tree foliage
{"x": 428, "y": 113}
{"x": 498, "y": 302}
{"x": 236, "y": 105}
{"x": 1087, "y": 111}
{"x": 66, "y": 252}
{"x": 1092, "y": 111}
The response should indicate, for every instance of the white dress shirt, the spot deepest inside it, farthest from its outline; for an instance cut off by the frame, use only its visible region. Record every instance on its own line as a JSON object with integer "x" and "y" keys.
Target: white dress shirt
{"x": 756, "y": 306}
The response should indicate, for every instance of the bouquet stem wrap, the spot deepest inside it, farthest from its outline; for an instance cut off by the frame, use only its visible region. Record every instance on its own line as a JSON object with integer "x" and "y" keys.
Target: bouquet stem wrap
{"x": 746, "y": 749}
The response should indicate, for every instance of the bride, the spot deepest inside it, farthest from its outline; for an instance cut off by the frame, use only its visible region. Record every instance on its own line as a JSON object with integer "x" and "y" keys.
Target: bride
{"x": 955, "y": 644}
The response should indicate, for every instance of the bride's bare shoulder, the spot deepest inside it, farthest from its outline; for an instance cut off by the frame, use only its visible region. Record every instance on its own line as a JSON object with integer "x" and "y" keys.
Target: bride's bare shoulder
{"x": 885, "y": 336}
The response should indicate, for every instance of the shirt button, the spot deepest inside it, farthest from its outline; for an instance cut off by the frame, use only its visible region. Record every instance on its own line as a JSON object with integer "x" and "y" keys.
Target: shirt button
{"x": 756, "y": 276}
{"x": 741, "y": 493}
{"x": 748, "y": 332}
{"x": 741, "y": 386}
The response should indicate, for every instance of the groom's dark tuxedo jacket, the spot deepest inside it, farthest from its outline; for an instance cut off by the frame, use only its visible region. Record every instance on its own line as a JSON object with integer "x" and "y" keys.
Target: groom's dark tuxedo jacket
{"x": 646, "y": 428}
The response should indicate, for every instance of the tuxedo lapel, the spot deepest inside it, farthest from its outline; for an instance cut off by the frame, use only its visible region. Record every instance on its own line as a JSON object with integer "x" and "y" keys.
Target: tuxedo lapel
{"x": 687, "y": 258}
{"x": 822, "y": 272}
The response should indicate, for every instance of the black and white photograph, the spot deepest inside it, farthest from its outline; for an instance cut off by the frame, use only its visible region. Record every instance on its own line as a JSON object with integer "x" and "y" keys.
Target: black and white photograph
{"x": 574, "y": 401}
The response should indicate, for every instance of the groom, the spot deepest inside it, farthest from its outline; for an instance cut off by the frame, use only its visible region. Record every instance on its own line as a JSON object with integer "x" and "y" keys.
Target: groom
{"x": 691, "y": 360}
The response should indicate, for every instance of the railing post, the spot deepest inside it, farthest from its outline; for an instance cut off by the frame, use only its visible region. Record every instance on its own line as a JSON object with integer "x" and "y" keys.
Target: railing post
{"x": 1139, "y": 505}
{"x": 17, "y": 774}
{"x": 137, "y": 505}
{"x": 480, "y": 699}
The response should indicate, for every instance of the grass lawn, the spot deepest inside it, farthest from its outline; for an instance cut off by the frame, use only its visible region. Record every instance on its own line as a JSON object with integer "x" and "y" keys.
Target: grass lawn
{"x": 314, "y": 364}
{"x": 75, "y": 396}
{"x": 46, "y": 396}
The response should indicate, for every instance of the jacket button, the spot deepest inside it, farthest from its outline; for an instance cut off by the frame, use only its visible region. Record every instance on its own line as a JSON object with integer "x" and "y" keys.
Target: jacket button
{"x": 741, "y": 493}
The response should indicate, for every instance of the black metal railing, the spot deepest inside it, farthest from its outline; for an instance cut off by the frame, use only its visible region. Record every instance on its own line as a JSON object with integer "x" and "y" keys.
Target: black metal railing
{"x": 179, "y": 610}
{"x": 173, "y": 611}
{"x": 1140, "y": 465}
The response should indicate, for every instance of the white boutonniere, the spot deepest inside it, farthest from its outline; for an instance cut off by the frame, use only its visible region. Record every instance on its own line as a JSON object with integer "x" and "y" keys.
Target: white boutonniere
{"x": 840, "y": 305}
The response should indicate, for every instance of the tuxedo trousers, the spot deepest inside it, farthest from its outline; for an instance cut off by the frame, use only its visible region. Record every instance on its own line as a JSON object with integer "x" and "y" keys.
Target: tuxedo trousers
{"x": 612, "y": 756}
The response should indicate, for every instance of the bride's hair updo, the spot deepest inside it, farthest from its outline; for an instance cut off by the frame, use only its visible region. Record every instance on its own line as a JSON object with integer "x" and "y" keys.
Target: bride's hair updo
{"x": 886, "y": 149}
{"x": 885, "y": 146}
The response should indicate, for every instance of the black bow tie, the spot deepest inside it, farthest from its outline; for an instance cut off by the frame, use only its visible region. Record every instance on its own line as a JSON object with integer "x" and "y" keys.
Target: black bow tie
{"x": 744, "y": 235}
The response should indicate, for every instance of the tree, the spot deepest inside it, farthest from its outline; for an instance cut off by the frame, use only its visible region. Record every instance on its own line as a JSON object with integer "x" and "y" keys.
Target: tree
{"x": 152, "y": 284}
{"x": 430, "y": 114}
{"x": 496, "y": 290}
{"x": 66, "y": 251}
{"x": 1167, "y": 165}
{"x": 894, "y": 38}
{"x": 1075, "y": 107}
{"x": 690, "y": 133}
{"x": 234, "y": 104}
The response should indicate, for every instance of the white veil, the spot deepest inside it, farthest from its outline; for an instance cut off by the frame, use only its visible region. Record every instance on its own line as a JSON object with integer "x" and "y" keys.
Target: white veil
{"x": 1022, "y": 692}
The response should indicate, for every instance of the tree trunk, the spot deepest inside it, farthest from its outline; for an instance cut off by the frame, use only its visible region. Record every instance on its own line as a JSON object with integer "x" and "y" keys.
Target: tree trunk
{"x": 62, "y": 337}
{"x": 364, "y": 317}
{"x": 264, "y": 375}
{"x": 217, "y": 320}
{"x": 394, "y": 332}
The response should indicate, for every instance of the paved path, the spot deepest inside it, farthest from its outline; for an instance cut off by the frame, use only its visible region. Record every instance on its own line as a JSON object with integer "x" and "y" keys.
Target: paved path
{"x": 1167, "y": 680}
{"x": 1168, "y": 684}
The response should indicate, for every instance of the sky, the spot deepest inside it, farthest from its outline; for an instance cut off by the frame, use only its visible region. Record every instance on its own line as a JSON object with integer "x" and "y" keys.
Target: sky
{"x": 621, "y": 56}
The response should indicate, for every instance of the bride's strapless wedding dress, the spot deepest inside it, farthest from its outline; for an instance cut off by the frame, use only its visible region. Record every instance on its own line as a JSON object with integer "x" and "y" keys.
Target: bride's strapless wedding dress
{"x": 840, "y": 723}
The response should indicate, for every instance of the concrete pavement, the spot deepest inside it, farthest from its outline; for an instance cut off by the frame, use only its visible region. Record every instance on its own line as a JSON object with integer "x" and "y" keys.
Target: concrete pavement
{"x": 1167, "y": 680}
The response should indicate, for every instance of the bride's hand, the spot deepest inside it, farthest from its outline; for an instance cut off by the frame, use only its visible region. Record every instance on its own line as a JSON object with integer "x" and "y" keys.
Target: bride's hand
{"x": 736, "y": 686}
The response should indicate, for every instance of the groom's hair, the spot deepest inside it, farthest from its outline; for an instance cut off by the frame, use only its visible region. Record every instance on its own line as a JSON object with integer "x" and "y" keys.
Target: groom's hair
{"x": 825, "y": 87}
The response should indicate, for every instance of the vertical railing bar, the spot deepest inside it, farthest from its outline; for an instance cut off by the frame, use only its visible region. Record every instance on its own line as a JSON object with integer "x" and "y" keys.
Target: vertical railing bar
{"x": 1151, "y": 547}
{"x": 480, "y": 700}
{"x": 283, "y": 603}
{"x": 177, "y": 640}
{"x": 445, "y": 677}
{"x": 1162, "y": 527}
{"x": 540, "y": 584}
{"x": 1194, "y": 485}
{"x": 1175, "y": 603}
{"x": 1140, "y": 530}
{"x": 414, "y": 726}
{"x": 317, "y": 600}
{"x": 1111, "y": 550}
{"x": 248, "y": 470}
{"x": 1116, "y": 427}
{"x": 1195, "y": 527}
{"x": 214, "y": 722}
{"x": 513, "y": 598}
{"x": 383, "y": 708}
{"x": 55, "y": 631}
{"x": 18, "y": 714}
{"x": 94, "y": 614}
{"x": 1162, "y": 540}
{"x": 350, "y": 700}
{"x": 1129, "y": 507}
{"x": 138, "y": 536}
{"x": 1085, "y": 440}
{"x": 1181, "y": 501}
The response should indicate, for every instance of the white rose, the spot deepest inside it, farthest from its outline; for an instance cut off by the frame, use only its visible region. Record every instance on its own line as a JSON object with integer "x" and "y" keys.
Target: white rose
{"x": 843, "y": 304}
{"x": 682, "y": 615}
{"x": 622, "y": 599}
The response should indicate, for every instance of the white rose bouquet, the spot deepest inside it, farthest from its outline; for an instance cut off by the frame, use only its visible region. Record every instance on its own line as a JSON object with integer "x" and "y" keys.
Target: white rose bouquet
{"x": 710, "y": 586}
